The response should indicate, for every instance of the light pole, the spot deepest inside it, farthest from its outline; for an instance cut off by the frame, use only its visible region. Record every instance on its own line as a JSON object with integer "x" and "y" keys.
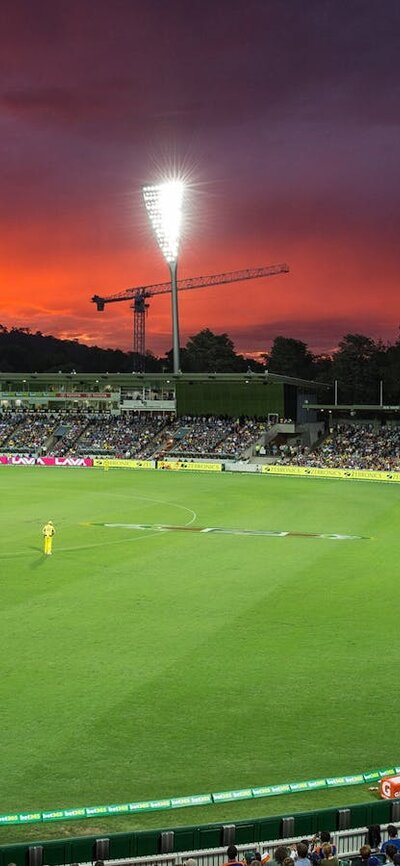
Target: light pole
{"x": 164, "y": 206}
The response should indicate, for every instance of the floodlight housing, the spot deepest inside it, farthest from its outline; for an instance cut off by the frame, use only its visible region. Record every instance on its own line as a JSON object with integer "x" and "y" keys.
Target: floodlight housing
{"x": 163, "y": 203}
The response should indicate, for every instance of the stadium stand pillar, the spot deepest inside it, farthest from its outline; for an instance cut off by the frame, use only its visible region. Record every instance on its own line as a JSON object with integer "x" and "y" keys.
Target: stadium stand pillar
{"x": 343, "y": 819}
{"x": 34, "y": 855}
{"x": 287, "y": 827}
{"x": 101, "y": 849}
{"x": 167, "y": 841}
{"x": 228, "y": 834}
{"x": 395, "y": 811}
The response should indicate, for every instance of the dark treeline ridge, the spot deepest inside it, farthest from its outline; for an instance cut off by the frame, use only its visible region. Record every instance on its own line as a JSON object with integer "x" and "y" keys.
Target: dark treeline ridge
{"x": 359, "y": 364}
{"x": 22, "y": 351}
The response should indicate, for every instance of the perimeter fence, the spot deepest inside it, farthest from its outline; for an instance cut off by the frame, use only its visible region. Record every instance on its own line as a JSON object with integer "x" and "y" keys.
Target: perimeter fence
{"x": 199, "y": 466}
{"x": 207, "y": 843}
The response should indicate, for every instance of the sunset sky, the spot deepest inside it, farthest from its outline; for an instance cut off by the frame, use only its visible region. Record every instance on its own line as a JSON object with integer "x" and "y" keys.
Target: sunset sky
{"x": 283, "y": 115}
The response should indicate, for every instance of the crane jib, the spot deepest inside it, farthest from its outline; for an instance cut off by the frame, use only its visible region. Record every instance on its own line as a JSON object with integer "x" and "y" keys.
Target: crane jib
{"x": 139, "y": 293}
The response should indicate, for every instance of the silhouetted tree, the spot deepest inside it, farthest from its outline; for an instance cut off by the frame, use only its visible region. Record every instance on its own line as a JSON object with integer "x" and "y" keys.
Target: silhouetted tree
{"x": 358, "y": 367}
{"x": 322, "y": 368}
{"x": 391, "y": 374}
{"x": 290, "y": 358}
{"x": 207, "y": 352}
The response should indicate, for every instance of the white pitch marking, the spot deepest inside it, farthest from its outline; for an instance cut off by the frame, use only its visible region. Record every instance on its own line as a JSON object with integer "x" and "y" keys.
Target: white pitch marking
{"x": 160, "y": 502}
{"x": 160, "y": 527}
{"x": 151, "y": 531}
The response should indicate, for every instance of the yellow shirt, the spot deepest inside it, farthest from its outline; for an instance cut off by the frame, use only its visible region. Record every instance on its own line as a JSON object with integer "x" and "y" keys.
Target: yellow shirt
{"x": 48, "y": 530}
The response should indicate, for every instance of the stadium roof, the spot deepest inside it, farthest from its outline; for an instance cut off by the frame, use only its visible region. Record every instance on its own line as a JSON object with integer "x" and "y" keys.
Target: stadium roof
{"x": 153, "y": 379}
{"x": 351, "y": 407}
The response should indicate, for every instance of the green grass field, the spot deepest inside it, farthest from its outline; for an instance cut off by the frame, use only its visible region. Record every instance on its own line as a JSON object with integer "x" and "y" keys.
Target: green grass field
{"x": 139, "y": 664}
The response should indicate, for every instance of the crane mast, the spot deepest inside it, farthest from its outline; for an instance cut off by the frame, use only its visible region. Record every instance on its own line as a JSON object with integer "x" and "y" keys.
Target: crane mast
{"x": 139, "y": 294}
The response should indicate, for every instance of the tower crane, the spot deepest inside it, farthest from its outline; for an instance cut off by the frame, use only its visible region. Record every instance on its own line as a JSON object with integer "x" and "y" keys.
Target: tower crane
{"x": 139, "y": 295}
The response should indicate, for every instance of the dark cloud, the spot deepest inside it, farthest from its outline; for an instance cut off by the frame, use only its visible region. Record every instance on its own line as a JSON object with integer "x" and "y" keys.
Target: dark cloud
{"x": 227, "y": 62}
{"x": 285, "y": 113}
{"x": 57, "y": 101}
{"x": 322, "y": 334}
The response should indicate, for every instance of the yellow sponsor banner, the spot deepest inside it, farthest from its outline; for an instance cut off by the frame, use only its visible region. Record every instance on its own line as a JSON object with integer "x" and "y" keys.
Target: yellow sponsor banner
{"x": 373, "y": 475}
{"x": 180, "y": 464}
{"x": 311, "y": 471}
{"x": 124, "y": 463}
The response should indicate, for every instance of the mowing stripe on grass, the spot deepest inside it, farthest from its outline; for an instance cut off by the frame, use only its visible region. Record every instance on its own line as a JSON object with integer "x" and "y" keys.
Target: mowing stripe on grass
{"x": 270, "y": 533}
{"x": 161, "y": 805}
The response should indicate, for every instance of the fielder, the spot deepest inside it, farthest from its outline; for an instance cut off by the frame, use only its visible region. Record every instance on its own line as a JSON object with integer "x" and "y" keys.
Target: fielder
{"x": 48, "y": 532}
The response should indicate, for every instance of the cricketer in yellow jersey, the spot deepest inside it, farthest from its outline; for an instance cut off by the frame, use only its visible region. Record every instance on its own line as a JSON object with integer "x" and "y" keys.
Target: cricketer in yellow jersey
{"x": 48, "y": 532}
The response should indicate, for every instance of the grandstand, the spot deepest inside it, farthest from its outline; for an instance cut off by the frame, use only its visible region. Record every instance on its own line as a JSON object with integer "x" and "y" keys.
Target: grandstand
{"x": 224, "y": 417}
{"x": 350, "y": 446}
{"x": 139, "y": 416}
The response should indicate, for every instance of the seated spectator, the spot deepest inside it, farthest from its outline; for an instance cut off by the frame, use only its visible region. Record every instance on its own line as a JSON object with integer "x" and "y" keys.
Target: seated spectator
{"x": 324, "y": 838}
{"x": 373, "y": 837}
{"x": 307, "y": 843}
{"x": 281, "y": 853}
{"x": 392, "y": 840}
{"x": 328, "y": 855}
{"x": 365, "y": 854}
{"x": 390, "y": 852}
{"x": 302, "y": 858}
{"x": 366, "y": 858}
{"x": 232, "y": 854}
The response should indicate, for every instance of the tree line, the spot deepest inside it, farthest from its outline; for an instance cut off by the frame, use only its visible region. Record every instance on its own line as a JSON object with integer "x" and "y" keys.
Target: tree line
{"x": 359, "y": 363}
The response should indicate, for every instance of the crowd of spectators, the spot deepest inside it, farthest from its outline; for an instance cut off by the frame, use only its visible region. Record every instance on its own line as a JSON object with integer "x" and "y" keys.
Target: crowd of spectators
{"x": 28, "y": 432}
{"x": 66, "y": 444}
{"x": 200, "y": 436}
{"x": 209, "y": 437}
{"x": 82, "y": 432}
{"x": 321, "y": 850}
{"x": 126, "y": 435}
{"x": 242, "y": 436}
{"x": 349, "y": 447}
{"x": 8, "y": 422}
{"x": 153, "y": 435}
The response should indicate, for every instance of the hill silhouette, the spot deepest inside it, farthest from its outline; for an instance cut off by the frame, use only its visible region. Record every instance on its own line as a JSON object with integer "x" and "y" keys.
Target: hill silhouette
{"x": 22, "y": 351}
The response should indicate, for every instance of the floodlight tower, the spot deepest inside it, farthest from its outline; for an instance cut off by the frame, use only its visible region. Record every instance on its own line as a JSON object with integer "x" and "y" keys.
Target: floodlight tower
{"x": 164, "y": 206}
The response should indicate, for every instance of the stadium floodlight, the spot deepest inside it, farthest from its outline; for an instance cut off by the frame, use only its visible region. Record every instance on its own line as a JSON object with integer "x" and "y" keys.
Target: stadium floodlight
{"x": 163, "y": 203}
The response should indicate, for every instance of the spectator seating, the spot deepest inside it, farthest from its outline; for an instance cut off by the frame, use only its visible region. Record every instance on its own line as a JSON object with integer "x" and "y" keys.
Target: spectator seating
{"x": 349, "y": 447}
{"x": 28, "y": 432}
{"x": 150, "y": 435}
{"x": 140, "y": 435}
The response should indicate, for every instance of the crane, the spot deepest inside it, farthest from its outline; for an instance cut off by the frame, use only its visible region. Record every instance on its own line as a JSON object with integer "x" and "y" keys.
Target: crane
{"x": 139, "y": 295}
